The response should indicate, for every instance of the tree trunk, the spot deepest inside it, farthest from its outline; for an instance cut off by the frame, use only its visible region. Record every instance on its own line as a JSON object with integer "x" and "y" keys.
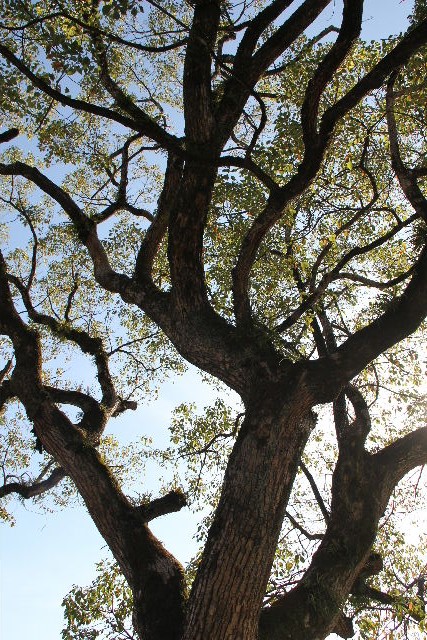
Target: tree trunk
{"x": 227, "y": 594}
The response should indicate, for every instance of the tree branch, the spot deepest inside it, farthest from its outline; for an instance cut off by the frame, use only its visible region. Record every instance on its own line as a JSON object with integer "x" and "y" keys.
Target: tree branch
{"x": 305, "y": 533}
{"x": 9, "y": 135}
{"x": 248, "y": 69}
{"x": 315, "y": 490}
{"x": 197, "y": 89}
{"x": 84, "y": 226}
{"x": 403, "y": 455}
{"x": 171, "y": 502}
{"x": 87, "y": 344}
{"x": 402, "y": 318}
{"x": 27, "y": 491}
{"x": 317, "y": 143}
{"x": 138, "y": 122}
{"x": 407, "y": 178}
{"x": 157, "y": 230}
{"x": 398, "y": 56}
{"x": 325, "y": 32}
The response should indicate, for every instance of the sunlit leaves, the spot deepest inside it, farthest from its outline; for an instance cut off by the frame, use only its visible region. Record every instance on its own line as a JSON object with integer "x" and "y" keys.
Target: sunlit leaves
{"x": 340, "y": 254}
{"x": 101, "y": 610}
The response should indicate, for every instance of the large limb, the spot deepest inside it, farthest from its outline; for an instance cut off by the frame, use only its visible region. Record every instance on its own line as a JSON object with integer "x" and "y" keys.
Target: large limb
{"x": 95, "y": 414}
{"x": 314, "y": 148}
{"x": 154, "y": 575}
{"x": 197, "y": 88}
{"x": 408, "y": 179}
{"x": 204, "y": 338}
{"x": 361, "y": 487}
{"x": 188, "y": 217}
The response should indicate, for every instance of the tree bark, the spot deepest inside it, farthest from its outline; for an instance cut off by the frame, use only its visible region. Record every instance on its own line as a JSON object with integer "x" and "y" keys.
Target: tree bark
{"x": 230, "y": 585}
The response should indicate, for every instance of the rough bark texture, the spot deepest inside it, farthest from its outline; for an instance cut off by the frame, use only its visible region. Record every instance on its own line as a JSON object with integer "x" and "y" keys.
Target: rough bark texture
{"x": 242, "y": 540}
{"x": 226, "y": 599}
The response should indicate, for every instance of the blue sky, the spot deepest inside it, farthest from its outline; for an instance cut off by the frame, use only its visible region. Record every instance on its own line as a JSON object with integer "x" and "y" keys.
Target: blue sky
{"x": 45, "y": 554}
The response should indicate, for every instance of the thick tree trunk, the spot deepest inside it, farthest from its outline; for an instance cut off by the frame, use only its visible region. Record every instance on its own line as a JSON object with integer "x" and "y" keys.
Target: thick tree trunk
{"x": 227, "y": 594}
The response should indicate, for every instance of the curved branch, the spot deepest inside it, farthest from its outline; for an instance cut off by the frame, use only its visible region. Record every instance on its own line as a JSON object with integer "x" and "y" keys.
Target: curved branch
{"x": 6, "y": 390}
{"x": 87, "y": 344}
{"x": 398, "y": 56}
{"x": 314, "y": 147}
{"x": 248, "y": 163}
{"x": 124, "y": 101}
{"x": 90, "y": 28}
{"x": 368, "y": 282}
{"x": 139, "y": 122}
{"x": 257, "y": 26}
{"x": 348, "y": 33}
{"x": 356, "y": 433}
{"x": 6, "y": 369}
{"x": 93, "y": 29}
{"x": 325, "y": 32}
{"x": 403, "y": 455}
{"x": 27, "y": 491}
{"x": 84, "y": 226}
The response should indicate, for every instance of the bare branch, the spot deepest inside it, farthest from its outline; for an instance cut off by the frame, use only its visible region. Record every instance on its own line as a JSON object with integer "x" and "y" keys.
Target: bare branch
{"x": 301, "y": 529}
{"x": 8, "y": 135}
{"x": 28, "y": 490}
{"x": 315, "y": 490}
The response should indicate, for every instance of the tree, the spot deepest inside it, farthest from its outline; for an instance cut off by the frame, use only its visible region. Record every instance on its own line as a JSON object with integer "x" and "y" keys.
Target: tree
{"x": 283, "y": 254}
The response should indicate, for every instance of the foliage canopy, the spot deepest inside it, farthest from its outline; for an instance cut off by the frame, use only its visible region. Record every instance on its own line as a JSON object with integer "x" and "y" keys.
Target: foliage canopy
{"x": 238, "y": 186}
